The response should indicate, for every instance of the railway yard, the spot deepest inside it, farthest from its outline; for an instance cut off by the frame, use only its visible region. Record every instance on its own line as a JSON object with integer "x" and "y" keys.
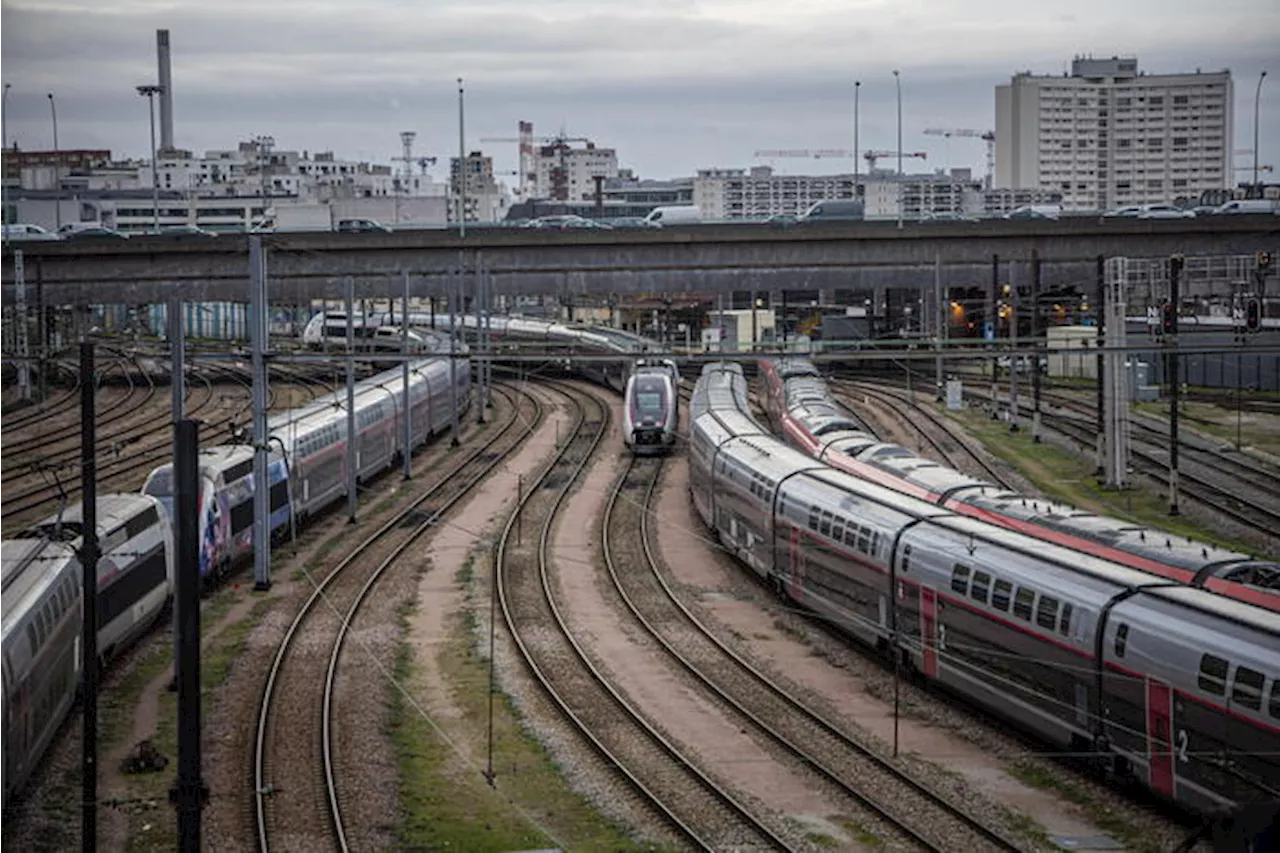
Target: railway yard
{"x": 537, "y": 642}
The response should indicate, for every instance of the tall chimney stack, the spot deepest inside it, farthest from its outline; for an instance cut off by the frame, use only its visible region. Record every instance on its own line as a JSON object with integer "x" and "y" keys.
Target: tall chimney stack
{"x": 166, "y": 91}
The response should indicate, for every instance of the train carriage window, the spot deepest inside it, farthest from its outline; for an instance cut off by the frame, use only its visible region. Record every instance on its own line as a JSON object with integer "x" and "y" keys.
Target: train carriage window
{"x": 1047, "y": 612}
{"x": 1023, "y": 601}
{"x": 1213, "y": 674}
{"x": 825, "y": 527}
{"x": 875, "y": 542}
{"x": 1246, "y": 689}
{"x": 141, "y": 522}
{"x": 864, "y": 539}
{"x": 814, "y": 515}
{"x": 960, "y": 578}
{"x": 837, "y": 530}
{"x": 906, "y": 558}
{"x": 1064, "y": 621}
{"x": 1273, "y": 708}
{"x": 1122, "y": 639}
{"x": 1001, "y": 594}
{"x": 279, "y": 495}
{"x": 980, "y": 587}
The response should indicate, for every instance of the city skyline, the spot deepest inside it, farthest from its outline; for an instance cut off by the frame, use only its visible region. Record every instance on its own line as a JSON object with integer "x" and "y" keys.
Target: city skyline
{"x": 674, "y": 86}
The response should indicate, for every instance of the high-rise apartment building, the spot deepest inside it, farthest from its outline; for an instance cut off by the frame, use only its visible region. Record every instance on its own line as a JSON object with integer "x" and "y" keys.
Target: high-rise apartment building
{"x": 758, "y": 192}
{"x": 485, "y": 199}
{"x": 566, "y": 173}
{"x": 1109, "y": 135}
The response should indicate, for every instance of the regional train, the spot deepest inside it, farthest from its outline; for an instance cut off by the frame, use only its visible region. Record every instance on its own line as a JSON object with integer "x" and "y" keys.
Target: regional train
{"x": 1179, "y": 687}
{"x": 650, "y": 408}
{"x": 800, "y": 404}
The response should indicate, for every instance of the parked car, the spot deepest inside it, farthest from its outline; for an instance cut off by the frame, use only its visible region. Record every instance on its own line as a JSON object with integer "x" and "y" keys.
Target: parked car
{"x": 83, "y": 231}
{"x": 626, "y": 222}
{"x": 28, "y": 232}
{"x": 834, "y": 210}
{"x": 1165, "y": 211}
{"x": 1035, "y": 211}
{"x": 186, "y": 231}
{"x": 362, "y": 226}
{"x": 674, "y": 215}
{"x": 1251, "y": 205}
{"x": 1128, "y": 212}
{"x": 564, "y": 222}
{"x": 947, "y": 216}
{"x": 783, "y": 219}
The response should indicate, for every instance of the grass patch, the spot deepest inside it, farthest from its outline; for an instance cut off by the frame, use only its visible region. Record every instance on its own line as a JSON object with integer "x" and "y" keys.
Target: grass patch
{"x": 859, "y": 833}
{"x": 1257, "y": 430}
{"x": 1027, "y": 827}
{"x": 154, "y": 828}
{"x": 821, "y": 839}
{"x": 789, "y": 630}
{"x": 1100, "y": 814}
{"x": 447, "y": 804}
{"x": 1068, "y": 477}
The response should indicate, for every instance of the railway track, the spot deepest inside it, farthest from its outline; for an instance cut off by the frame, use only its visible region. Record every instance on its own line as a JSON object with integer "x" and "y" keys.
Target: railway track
{"x": 872, "y": 782}
{"x": 665, "y": 777}
{"x": 53, "y": 406}
{"x": 943, "y": 437}
{"x": 297, "y": 773}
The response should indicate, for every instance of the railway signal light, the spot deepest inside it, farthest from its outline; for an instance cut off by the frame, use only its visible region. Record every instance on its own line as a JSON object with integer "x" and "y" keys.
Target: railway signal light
{"x": 1253, "y": 314}
{"x": 1168, "y": 318}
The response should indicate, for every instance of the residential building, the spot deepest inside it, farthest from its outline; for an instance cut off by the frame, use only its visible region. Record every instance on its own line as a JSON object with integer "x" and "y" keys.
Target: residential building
{"x": 757, "y": 192}
{"x": 998, "y": 202}
{"x": 485, "y": 199}
{"x": 565, "y": 173}
{"x": 920, "y": 195}
{"x": 1108, "y": 135}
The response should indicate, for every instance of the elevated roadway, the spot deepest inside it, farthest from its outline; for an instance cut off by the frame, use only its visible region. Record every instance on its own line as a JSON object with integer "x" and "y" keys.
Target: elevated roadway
{"x": 706, "y": 258}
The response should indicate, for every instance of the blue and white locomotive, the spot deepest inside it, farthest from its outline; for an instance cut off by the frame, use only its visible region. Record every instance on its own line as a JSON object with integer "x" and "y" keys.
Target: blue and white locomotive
{"x": 1178, "y": 687}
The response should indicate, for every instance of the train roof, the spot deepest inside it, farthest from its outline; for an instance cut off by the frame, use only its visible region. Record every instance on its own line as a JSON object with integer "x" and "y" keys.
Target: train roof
{"x": 919, "y": 470}
{"x": 1231, "y": 609}
{"x": 113, "y": 511}
{"x": 24, "y": 563}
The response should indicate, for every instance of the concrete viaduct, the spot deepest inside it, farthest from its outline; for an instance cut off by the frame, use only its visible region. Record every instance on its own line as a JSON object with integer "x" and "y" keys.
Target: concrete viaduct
{"x": 705, "y": 258}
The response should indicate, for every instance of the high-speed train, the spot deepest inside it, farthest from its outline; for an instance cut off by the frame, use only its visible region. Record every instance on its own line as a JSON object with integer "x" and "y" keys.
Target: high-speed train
{"x": 1179, "y": 687}
{"x": 306, "y": 472}
{"x": 800, "y": 404}
{"x": 650, "y": 408}
{"x": 42, "y": 613}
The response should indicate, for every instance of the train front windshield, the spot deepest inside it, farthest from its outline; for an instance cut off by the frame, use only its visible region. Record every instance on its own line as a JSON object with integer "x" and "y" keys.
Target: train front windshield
{"x": 649, "y": 402}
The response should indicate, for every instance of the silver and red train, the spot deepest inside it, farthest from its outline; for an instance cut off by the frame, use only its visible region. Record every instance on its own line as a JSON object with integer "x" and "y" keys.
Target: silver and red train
{"x": 650, "y": 408}
{"x": 1171, "y": 685}
{"x": 800, "y": 404}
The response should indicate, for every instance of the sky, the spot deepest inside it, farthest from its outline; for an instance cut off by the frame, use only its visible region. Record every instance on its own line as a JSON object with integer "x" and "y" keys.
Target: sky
{"x": 673, "y": 85}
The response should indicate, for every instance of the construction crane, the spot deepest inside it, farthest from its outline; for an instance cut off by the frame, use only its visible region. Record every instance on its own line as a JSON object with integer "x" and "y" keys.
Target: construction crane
{"x": 987, "y": 136}
{"x": 559, "y": 175}
{"x": 870, "y": 156}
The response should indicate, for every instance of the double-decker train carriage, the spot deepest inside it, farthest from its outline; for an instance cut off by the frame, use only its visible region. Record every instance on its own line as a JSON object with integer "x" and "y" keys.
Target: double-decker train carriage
{"x": 650, "y": 409}
{"x": 1176, "y": 685}
{"x": 41, "y": 643}
{"x": 801, "y": 406}
{"x": 225, "y": 502}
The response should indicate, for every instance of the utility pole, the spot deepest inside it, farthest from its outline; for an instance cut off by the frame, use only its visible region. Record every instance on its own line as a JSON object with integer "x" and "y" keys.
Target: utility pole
{"x": 1015, "y": 315}
{"x": 258, "y": 343}
{"x": 21, "y": 327}
{"x": 1035, "y": 346}
{"x": 1099, "y": 311}
{"x": 993, "y": 321}
{"x": 353, "y": 461}
{"x": 57, "y": 168}
{"x": 1171, "y": 367}
{"x": 408, "y": 405}
{"x": 940, "y": 317}
{"x": 462, "y": 169}
{"x": 150, "y": 92}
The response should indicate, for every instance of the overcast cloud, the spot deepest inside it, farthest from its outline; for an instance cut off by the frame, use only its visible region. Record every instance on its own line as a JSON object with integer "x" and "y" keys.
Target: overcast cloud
{"x": 674, "y": 85}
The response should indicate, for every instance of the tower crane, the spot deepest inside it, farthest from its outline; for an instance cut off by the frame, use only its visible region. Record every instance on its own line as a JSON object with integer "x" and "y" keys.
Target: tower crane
{"x": 987, "y": 136}
{"x": 559, "y": 175}
{"x": 871, "y": 156}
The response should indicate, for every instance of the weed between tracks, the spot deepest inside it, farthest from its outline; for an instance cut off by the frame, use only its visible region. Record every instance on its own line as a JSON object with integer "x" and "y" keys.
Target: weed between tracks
{"x": 446, "y": 803}
{"x": 1065, "y": 476}
{"x": 1099, "y": 813}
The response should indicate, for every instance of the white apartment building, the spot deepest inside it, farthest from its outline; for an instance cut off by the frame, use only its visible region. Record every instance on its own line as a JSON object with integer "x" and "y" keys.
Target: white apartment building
{"x": 920, "y": 195}
{"x": 758, "y": 192}
{"x": 566, "y": 173}
{"x": 1109, "y": 135}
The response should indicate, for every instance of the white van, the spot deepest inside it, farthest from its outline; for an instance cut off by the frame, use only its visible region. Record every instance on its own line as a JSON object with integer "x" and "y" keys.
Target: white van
{"x": 1035, "y": 211}
{"x": 28, "y": 232}
{"x": 675, "y": 215}
{"x": 1252, "y": 205}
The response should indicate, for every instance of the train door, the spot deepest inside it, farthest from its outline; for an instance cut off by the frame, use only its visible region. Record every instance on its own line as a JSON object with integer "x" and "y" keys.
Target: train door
{"x": 796, "y": 581}
{"x": 929, "y": 631}
{"x": 1160, "y": 736}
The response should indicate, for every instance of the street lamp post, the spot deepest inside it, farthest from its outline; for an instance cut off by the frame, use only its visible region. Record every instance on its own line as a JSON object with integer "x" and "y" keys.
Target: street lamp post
{"x": 1257, "y": 100}
{"x": 57, "y": 171}
{"x": 897, "y": 85}
{"x": 4, "y": 140}
{"x": 150, "y": 92}
{"x": 462, "y": 165}
{"x": 857, "y": 87}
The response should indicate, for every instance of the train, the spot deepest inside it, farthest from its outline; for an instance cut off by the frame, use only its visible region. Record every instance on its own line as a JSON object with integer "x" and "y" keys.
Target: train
{"x": 307, "y": 471}
{"x": 1173, "y": 686}
{"x": 799, "y": 402}
{"x": 42, "y": 578}
{"x": 651, "y": 406}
